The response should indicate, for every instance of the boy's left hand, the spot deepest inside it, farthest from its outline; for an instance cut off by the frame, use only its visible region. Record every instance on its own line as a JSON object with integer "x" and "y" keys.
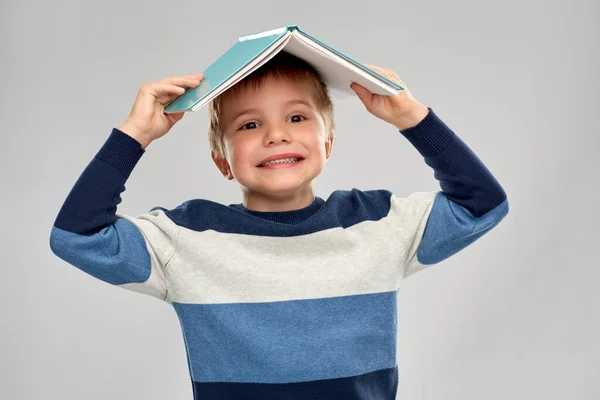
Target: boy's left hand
{"x": 401, "y": 110}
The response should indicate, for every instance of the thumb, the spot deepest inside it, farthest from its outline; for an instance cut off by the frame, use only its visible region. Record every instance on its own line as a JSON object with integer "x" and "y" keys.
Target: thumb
{"x": 175, "y": 117}
{"x": 363, "y": 94}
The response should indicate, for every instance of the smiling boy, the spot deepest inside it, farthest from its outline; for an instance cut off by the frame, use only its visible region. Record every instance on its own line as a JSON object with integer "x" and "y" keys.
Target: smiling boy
{"x": 275, "y": 114}
{"x": 285, "y": 295}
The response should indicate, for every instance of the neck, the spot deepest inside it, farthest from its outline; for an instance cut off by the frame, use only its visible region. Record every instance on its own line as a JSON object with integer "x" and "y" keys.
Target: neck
{"x": 301, "y": 198}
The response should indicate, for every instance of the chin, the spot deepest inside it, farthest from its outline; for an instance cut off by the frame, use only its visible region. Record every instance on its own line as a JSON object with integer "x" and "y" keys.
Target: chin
{"x": 279, "y": 186}
{"x": 280, "y": 191}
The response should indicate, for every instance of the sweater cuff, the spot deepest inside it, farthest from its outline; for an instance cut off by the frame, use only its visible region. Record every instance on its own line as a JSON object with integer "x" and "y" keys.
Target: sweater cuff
{"x": 430, "y": 136}
{"x": 121, "y": 151}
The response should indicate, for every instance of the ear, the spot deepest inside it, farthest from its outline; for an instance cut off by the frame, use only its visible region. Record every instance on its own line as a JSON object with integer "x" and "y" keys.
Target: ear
{"x": 222, "y": 164}
{"x": 329, "y": 147}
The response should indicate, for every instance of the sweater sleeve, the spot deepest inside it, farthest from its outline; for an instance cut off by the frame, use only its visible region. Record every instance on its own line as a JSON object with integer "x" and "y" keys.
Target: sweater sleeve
{"x": 89, "y": 233}
{"x": 470, "y": 204}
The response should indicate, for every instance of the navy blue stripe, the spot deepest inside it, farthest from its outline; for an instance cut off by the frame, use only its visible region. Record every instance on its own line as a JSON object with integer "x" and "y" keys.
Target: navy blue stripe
{"x": 343, "y": 208}
{"x": 92, "y": 203}
{"x": 377, "y": 385}
{"x": 286, "y": 217}
{"x": 464, "y": 179}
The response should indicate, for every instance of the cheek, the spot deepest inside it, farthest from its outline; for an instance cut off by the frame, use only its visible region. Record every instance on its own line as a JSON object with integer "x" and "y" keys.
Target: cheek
{"x": 240, "y": 152}
{"x": 318, "y": 136}
{"x": 317, "y": 143}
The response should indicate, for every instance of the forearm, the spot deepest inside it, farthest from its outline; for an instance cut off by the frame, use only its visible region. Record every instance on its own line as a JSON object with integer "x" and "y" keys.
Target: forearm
{"x": 463, "y": 178}
{"x": 92, "y": 203}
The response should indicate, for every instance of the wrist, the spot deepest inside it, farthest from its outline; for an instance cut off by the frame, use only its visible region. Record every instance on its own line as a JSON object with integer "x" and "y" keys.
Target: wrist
{"x": 135, "y": 134}
{"x": 412, "y": 118}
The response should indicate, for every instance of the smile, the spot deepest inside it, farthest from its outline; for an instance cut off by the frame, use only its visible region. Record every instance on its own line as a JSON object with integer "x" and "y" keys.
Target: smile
{"x": 282, "y": 163}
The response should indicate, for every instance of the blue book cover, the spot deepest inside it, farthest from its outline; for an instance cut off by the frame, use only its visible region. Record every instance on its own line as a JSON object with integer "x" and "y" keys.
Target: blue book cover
{"x": 251, "y": 51}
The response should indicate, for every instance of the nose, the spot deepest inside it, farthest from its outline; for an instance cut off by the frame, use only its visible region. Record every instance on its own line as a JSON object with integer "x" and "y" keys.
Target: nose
{"x": 277, "y": 133}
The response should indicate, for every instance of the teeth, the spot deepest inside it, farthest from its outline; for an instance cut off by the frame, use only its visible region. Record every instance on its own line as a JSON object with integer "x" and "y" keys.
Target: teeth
{"x": 281, "y": 161}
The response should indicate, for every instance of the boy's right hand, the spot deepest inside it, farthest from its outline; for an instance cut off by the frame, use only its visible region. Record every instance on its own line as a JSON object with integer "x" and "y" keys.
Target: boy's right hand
{"x": 147, "y": 121}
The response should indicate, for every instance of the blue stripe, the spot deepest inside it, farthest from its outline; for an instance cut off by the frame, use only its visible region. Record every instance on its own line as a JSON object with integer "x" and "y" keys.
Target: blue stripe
{"x": 451, "y": 227}
{"x": 343, "y": 208}
{"x": 117, "y": 254}
{"x": 380, "y": 385}
{"x": 290, "y": 341}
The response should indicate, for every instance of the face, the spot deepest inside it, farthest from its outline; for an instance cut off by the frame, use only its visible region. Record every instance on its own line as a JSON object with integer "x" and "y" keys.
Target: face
{"x": 278, "y": 120}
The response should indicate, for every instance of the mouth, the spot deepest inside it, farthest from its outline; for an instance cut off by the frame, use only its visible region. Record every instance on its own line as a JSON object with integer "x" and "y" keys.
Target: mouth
{"x": 281, "y": 163}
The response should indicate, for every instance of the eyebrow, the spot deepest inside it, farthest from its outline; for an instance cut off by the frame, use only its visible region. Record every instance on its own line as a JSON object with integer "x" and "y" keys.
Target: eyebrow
{"x": 251, "y": 110}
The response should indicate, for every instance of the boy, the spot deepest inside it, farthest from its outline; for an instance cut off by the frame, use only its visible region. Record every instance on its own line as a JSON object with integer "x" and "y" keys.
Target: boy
{"x": 285, "y": 295}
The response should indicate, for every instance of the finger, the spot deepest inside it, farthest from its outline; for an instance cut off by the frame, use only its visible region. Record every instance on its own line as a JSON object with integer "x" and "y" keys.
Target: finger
{"x": 180, "y": 81}
{"x": 363, "y": 93}
{"x": 166, "y": 88}
{"x": 375, "y": 67}
{"x": 197, "y": 75}
{"x": 388, "y": 73}
{"x": 381, "y": 70}
{"x": 175, "y": 117}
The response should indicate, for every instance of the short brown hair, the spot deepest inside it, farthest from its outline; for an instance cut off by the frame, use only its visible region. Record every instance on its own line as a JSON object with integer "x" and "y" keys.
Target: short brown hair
{"x": 281, "y": 65}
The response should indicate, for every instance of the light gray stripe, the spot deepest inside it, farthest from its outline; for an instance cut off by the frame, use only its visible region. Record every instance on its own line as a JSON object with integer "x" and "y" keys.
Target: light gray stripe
{"x": 214, "y": 267}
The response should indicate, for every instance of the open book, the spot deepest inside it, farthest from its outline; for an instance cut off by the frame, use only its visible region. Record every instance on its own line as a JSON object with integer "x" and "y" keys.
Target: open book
{"x": 251, "y": 51}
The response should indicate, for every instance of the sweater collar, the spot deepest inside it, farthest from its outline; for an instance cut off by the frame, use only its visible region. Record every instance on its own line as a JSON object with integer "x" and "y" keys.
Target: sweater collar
{"x": 284, "y": 217}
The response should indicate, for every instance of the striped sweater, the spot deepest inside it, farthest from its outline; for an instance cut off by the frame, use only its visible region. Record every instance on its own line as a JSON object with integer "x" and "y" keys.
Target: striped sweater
{"x": 282, "y": 305}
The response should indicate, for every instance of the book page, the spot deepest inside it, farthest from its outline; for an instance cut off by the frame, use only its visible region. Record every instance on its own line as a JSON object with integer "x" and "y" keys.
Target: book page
{"x": 336, "y": 71}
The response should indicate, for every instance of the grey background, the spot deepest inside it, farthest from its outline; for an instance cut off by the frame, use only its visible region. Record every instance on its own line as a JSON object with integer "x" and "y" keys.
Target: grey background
{"x": 513, "y": 316}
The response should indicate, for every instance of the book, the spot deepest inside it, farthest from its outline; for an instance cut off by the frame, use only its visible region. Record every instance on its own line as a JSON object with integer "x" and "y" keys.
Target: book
{"x": 251, "y": 51}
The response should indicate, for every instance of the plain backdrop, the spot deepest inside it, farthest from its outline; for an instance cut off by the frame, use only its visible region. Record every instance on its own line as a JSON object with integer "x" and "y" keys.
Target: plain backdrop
{"x": 513, "y": 316}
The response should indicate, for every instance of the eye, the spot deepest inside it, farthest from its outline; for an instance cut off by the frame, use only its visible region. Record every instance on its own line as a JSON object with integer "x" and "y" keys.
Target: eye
{"x": 247, "y": 125}
{"x": 299, "y": 119}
